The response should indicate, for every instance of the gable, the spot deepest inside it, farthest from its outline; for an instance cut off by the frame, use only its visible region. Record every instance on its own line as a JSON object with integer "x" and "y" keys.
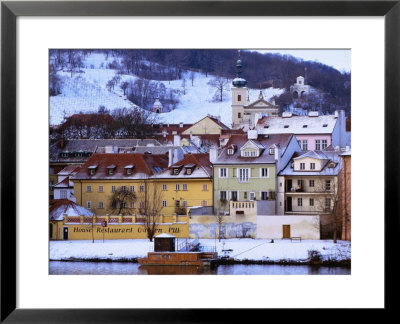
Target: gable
{"x": 204, "y": 126}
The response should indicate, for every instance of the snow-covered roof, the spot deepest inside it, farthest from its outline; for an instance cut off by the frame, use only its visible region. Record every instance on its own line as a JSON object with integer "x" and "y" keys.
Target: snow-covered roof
{"x": 165, "y": 235}
{"x": 61, "y": 207}
{"x": 323, "y": 124}
{"x": 326, "y": 170}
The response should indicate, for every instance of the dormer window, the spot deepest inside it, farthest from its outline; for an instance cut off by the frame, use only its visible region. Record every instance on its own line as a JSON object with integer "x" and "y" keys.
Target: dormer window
{"x": 230, "y": 151}
{"x": 189, "y": 168}
{"x": 272, "y": 150}
{"x": 176, "y": 169}
{"x": 111, "y": 169}
{"x": 129, "y": 169}
{"x": 92, "y": 169}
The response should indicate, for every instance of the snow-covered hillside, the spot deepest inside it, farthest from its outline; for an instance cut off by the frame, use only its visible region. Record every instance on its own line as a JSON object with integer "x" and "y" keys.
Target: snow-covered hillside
{"x": 86, "y": 91}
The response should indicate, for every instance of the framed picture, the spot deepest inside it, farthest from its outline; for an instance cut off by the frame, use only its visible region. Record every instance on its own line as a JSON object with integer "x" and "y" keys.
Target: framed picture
{"x": 187, "y": 24}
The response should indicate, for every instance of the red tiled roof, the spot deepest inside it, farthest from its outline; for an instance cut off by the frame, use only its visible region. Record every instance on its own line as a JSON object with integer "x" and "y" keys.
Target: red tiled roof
{"x": 147, "y": 164}
{"x": 201, "y": 159}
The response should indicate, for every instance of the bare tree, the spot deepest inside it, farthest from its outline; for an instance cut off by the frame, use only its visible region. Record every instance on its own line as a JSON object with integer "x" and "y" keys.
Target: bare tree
{"x": 124, "y": 86}
{"x": 192, "y": 77}
{"x": 223, "y": 203}
{"x": 220, "y": 84}
{"x": 121, "y": 200}
{"x": 184, "y": 86}
{"x": 151, "y": 206}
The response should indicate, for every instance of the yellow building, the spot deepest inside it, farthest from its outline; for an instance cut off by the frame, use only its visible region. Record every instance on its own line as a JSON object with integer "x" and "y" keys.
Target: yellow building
{"x": 120, "y": 189}
{"x": 207, "y": 125}
{"x": 186, "y": 183}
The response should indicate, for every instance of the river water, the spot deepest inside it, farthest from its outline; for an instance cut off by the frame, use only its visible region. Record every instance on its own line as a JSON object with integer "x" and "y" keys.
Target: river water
{"x": 127, "y": 268}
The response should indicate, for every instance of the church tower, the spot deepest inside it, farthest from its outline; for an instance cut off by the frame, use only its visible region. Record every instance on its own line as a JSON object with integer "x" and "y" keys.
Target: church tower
{"x": 239, "y": 95}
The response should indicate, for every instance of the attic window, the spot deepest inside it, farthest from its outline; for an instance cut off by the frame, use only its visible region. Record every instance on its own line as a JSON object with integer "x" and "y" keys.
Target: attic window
{"x": 332, "y": 164}
{"x": 157, "y": 169}
{"x": 325, "y": 125}
{"x": 230, "y": 151}
{"x": 111, "y": 169}
{"x": 92, "y": 169}
{"x": 286, "y": 126}
{"x": 272, "y": 150}
{"x": 129, "y": 169}
{"x": 189, "y": 168}
{"x": 176, "y": 169}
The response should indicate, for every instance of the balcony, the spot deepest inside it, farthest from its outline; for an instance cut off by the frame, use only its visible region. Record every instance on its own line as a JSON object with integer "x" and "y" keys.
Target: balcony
{"x": 243, "y": 208}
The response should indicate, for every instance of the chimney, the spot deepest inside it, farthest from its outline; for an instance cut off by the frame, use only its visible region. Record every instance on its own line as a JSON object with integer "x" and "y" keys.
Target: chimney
{"x": 177, "y": 140}
{"x": 170, "y": 157}
{"x": 178, "y": 155}
{"x": 213, "y": 154}
{"x": 181, "y": 125}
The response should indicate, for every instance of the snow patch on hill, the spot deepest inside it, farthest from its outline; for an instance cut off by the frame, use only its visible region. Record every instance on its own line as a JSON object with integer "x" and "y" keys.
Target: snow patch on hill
{"x": 86, "y": 91}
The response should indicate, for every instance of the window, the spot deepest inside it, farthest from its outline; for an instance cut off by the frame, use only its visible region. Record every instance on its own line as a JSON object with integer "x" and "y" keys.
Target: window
{"x": 101, "y": 205}
{"x": 205, "y": 187}
{"x": 252, "y": 153}
{"x": 222, "y": 195}
{"x": 176, "y": 203}
{"x": 188, "y": 171}
{"x": 112, "y": 188}
{"x": 184, "y": 203}
{"x": 327, "y": 185}
{"x": 131, "y": 204}
{"x": 63, "y": 194}
{"x": 132, "y": 188}
{"x": 204, "y": 203}
{"x": 312, "y": 166}
{"x": 324, "y": 144}
{"x": 252, "y": 195}
{"x": 164, "y": 186}
{"x": 299, "y": 201}
{"x": 122, "y": 205}
{"x": 239, "y": 115}
{"x": 264, "y": 195}
{"x": 243, "y": 175}
{"x": 184, "y": 186}
{"x": 89, "y": 188}
{"x": 89, "y": 205}
{"x": 311, "y": 183}
{"x": 176, "y": 171}
{"x": 92, "y": 171}
{"x": 246, "y": 153}
{"x": 311, "y": 201}
{"x": 223, "y": 172}
{"x": 286, "y": 126}
{"x": 141, "y": 188}
{"x": 302, "y": 166}
{"x": 317, "y": 144}
{"x": 304, "y": 145}
{"x": 239, "y": 97}
{"x": 272, "y": 150}
{"x": 128, "y": 171}
{"x": 164, "y": 203}
{"x": 230, "y": 151}
{"x": 264, "y": 172}
{"x": 123, "y": 188}
{"x": 300, "y": 183}
{"x": 177, "y": 186}
{"x": 327, "y": 202}
{"x": 101, "y": 188}
{"x": 245, "y": 195}
{"x": 110, "y": 171}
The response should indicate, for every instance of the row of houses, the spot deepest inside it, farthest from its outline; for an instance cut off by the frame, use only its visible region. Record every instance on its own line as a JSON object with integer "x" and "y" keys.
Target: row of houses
{"x": 253, "y": 184}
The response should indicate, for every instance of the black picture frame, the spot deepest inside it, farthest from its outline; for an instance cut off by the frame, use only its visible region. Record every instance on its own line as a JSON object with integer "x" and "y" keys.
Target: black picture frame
{"x": 10, "y": 10}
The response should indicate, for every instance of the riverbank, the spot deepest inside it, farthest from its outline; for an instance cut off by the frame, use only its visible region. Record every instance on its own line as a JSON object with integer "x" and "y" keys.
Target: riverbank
{"x": 245, "y": 251}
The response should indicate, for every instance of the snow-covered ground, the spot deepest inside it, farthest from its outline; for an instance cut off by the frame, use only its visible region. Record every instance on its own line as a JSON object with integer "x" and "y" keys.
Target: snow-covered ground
{"x": 242, "y": 249}
{"x": 86, "y": 91}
